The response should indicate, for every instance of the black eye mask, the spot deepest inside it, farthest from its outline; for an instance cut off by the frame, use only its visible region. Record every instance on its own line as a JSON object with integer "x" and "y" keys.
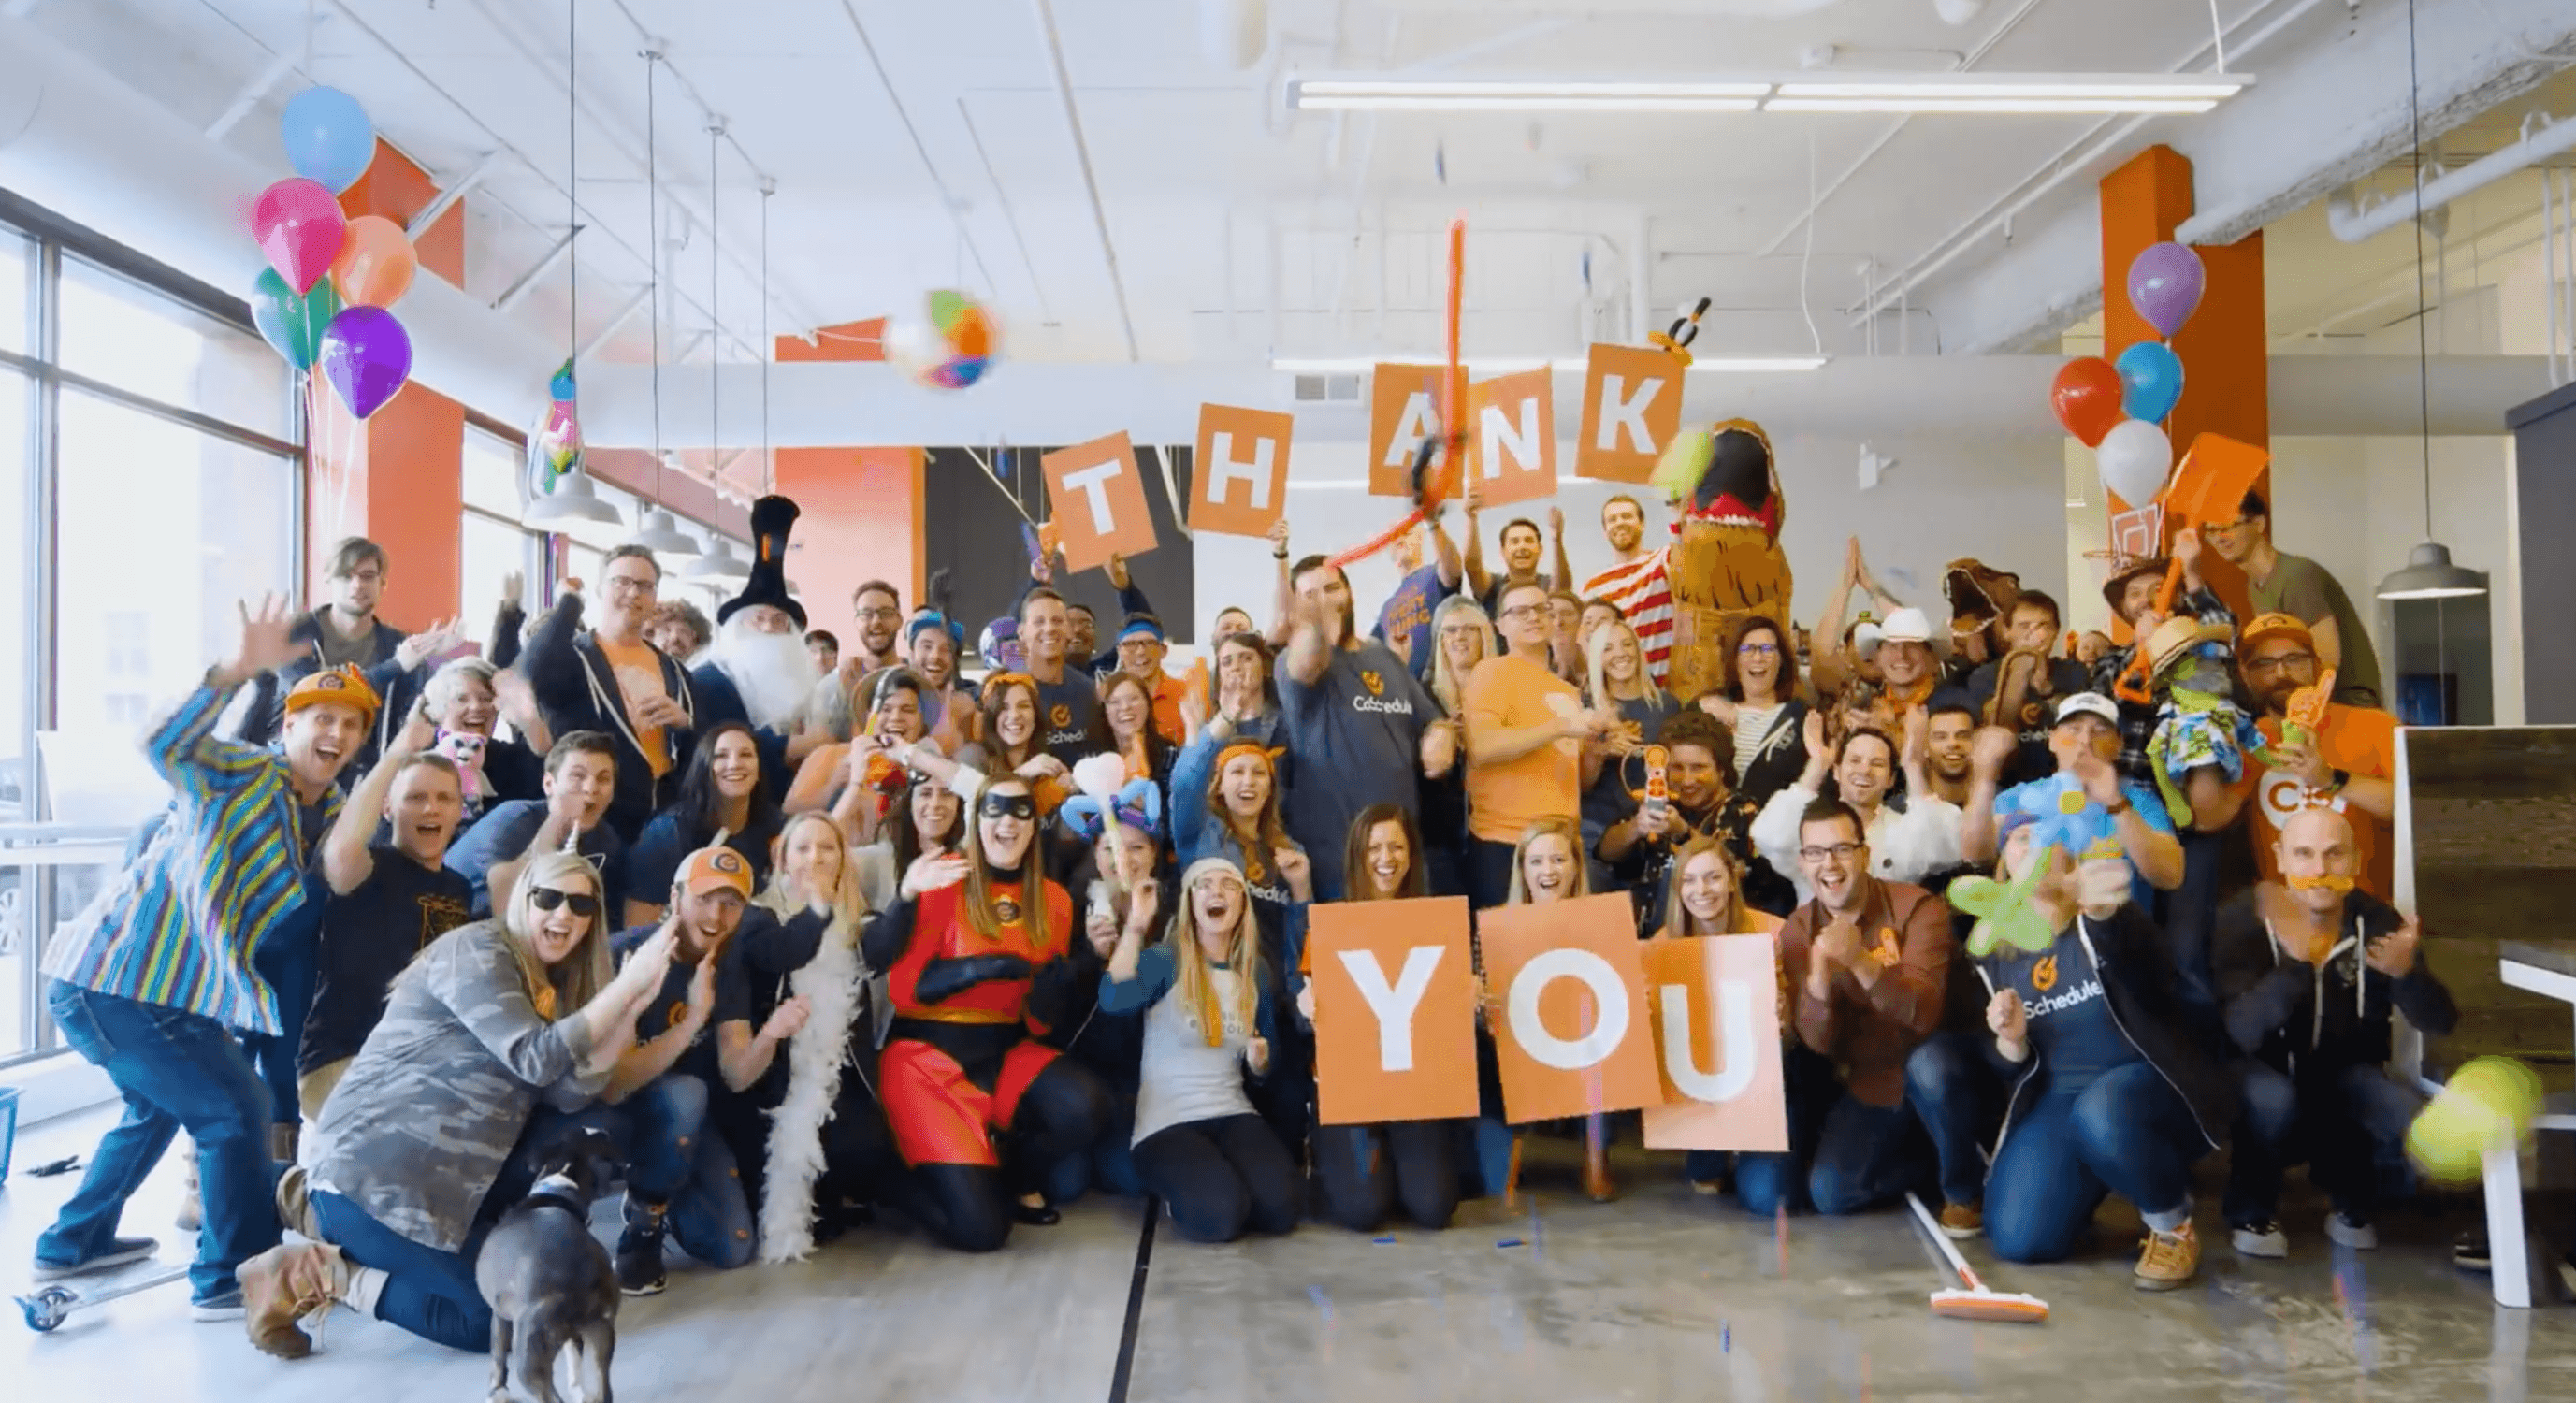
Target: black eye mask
{"x": 1020, "y": 806}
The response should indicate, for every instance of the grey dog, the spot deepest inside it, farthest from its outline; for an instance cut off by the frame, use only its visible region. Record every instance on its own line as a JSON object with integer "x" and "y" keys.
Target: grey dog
{"x": 549, "y": 1282}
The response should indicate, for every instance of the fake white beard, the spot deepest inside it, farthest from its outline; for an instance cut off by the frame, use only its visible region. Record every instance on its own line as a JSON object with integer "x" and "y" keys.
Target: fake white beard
{"x": 773, "y": 671}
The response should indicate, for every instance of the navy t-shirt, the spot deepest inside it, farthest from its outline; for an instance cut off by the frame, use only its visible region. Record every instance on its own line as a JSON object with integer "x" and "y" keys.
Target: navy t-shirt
{"x": 1356, "y": 734}
{"x": 2071, "y": 1027}
{"x": 1408, "y": 612}
{"x": 504, "y": 832}
{"x": 670, "y": 1007}
{"x": 1064, "y": 715}
{"x": 368, "y": 937}
{"x": 666, "y": 842}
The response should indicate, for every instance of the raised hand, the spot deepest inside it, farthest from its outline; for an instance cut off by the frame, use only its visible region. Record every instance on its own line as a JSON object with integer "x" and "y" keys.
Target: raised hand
{"x": 514, "y": 588}
{"x": 2101, "y": 782}
{"x": 2393, "y": 954}
{"x": 419, "y": 733}
{"x": 1990, "y": 750}
{"x": 932, "y": 872}
{"x": 786, "y": 1019}
{"x": 1298, "y": 871}
{"x": 1142, "y": 900}
{"x": 265, "y": 638}
{"x": 1279, "y": 536}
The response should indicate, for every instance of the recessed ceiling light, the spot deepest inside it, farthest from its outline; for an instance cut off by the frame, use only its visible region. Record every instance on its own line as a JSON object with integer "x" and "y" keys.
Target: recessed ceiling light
{"x": 2009, "y": 93}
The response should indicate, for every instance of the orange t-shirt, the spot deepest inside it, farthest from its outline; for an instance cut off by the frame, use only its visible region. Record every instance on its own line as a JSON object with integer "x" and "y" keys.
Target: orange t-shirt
{"x": 1503, "y": 800}
{"x": 639, "y": 680}
{"x": 2362, "y": 740}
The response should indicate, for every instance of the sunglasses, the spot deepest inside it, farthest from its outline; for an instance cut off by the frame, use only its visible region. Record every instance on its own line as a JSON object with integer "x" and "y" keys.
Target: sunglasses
{"x": 1020, "y": 806}
{"x": 583, "y": 904}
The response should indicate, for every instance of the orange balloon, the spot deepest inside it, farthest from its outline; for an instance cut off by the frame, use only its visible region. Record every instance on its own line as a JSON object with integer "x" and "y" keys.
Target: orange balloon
{"x": 375, "y": 264}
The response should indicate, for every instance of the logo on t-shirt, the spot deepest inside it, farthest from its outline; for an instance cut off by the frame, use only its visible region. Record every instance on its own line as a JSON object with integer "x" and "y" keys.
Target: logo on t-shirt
{"x": 678, "y": 1015}
{"x": 1007, "y": 910}
{"x": 2083, "y": 993}
{"x": 1060, "y": 715}
{"x": 2043, "y": 976}
{"x": 2282, "y": 794}
{"x": 1375, "y": 684}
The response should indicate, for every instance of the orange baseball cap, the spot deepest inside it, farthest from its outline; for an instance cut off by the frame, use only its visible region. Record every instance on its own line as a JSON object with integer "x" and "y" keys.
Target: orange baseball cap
{"x": 338, "y": 686}
{"x": 2264, "y": 626}
{"x": 713, "y": 869}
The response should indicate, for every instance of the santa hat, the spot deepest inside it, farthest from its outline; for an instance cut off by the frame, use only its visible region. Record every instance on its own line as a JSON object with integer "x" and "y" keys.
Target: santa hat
{"x": 771, "y": 518}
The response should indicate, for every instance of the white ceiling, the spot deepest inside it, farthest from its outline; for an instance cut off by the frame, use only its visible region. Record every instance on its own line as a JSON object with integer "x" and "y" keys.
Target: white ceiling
{"x": 1240, "y": 230}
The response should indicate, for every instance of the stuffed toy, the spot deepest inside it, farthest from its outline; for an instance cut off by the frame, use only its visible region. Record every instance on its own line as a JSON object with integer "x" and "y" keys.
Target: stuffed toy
{"x": 1675, "y": 341}
{"x": 1107, "y": 796}
{"x": 466, "y": 749}
{"x": 2198, "y": 724}
{"x": 1725, "y": 564}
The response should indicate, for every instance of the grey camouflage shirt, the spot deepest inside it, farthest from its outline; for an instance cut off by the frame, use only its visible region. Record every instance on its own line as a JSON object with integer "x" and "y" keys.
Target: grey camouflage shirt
{"x": 427, "y": 1114}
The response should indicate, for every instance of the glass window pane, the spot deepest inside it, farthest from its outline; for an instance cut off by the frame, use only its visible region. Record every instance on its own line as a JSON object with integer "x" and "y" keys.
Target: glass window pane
{"x": 17, "y": 302}
{"x": 163, "y": 530}
{"x": 19, "y": 886}
{"x": 492, "y": 549}
{"x": 129, "y": 336}
{"x": 582, "y": 563}
{"x": 491, "y": 473}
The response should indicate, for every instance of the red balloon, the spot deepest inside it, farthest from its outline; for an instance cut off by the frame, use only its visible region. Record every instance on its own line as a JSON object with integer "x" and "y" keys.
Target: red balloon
{"x": 2087, "y": 398}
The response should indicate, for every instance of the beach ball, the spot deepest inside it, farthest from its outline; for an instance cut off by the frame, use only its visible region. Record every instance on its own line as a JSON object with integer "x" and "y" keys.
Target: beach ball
{"x": 948, "y": 345}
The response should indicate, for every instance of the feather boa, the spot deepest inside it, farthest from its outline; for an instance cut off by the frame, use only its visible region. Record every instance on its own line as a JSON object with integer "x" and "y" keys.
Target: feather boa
{"x": 832, "y": 982}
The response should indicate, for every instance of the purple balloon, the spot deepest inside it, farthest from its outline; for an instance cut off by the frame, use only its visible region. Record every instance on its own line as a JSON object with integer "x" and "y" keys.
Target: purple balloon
{"x": 2165, "y": 283}
{"x": 366, "y": 355}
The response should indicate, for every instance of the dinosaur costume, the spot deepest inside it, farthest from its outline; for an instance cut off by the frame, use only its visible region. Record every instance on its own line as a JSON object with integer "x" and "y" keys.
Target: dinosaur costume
{"x": 1724, "y": 564}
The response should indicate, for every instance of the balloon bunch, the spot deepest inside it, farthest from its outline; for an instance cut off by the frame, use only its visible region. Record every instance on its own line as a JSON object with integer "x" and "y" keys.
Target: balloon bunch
{"x": 2118, "y": 408}
{"x": 322, "y": 300}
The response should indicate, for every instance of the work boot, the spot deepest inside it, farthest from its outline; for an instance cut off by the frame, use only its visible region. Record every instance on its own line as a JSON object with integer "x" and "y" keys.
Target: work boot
{"x": 283, "y": 1285}
{"x": 639, "y": 1248}
{"x": 282, "y": 1138}
{"x": 295, "y": 1202}
{"x": 2168, "y": 1260}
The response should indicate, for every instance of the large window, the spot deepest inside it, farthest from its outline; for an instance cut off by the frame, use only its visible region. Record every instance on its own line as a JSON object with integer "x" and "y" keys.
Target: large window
{"x": 495, "y": 545}
{"x": 148, "y": 482}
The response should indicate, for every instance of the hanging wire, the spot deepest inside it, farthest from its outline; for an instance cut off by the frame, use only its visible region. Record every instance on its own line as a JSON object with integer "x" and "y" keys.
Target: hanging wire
{"x": 715, "y": 303}
{"x": 572, "y": 176}
{"x": 653, "y": 242}
{"x": 768, "y": 348}
{"x": 2423, "y": 311}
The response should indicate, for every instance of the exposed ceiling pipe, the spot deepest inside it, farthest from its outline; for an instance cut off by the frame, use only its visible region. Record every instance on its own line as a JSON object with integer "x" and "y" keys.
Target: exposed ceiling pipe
{"x": 616, "y": 319}
{"x": 452, "y": 192}
{"x": 1090, "y": 182}
{"x": 246, "y": 101}
{"x": 2353, "y": 222}
{"x": 518, "y": 291}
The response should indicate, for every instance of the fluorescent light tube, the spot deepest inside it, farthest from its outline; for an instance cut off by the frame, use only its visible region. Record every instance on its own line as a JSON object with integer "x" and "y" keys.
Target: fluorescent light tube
{"x": 1989, "y": 105}
{"x": 1842, "y": 92}
{"x": 1362, "y": 365}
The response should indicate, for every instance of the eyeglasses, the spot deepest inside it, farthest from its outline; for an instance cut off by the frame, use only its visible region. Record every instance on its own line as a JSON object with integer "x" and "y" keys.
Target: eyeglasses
{"x": 1758, "y": 650}
{"x": 2283, "y": 662}
{"x": 370, "y": 576}
{"x": 1020, "y": 806}
{"x": 1837, "y": 851}
{"x": 880, "y": 613}
{"x": 1521, "y": 611}
{"x": 628, "y": 584}
{"x": 583, "y": 904}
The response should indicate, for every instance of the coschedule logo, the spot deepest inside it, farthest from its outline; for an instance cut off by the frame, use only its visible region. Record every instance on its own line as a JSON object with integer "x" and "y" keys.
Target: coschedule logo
{"x": 2083, "y": 993}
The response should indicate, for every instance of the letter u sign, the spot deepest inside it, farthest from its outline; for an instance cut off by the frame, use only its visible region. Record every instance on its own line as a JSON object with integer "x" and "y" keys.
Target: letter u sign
{"x": 1720, "y": 1040}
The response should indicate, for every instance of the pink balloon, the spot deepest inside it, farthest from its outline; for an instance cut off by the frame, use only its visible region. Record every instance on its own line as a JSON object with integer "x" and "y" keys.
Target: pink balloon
{"x": 300, "y": 227}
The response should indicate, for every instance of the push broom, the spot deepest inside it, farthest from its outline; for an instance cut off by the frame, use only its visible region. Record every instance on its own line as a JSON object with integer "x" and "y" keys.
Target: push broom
{"x": 1976, "y": 1302}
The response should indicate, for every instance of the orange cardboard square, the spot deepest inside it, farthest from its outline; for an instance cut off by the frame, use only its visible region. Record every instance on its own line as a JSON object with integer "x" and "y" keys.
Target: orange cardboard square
{"x": 1569, "y": 1008}
{"x": 1404, "y": 409}
{"x": 1717, "y": 1044}
{"x": 1239, "y": 476}
{"x": 1395, "y": 1010}
{"x": 1632, "y": 407}
{"x": 1514, "y": 446}
{"x": 1097, "y": 500}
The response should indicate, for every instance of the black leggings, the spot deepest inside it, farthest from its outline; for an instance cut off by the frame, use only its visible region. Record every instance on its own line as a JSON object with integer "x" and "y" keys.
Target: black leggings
{"x": 1367, "y": 1168}
{"x": 969, "y": 1206}
{"x": 1221, "y": 1176}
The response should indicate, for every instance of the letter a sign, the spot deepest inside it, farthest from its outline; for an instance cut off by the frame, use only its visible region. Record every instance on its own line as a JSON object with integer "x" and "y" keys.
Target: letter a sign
{"x": 1515, "y": 439}
{"x": 1572, "y": 1033}
{"x": 1717, "y": 1041}
{"x": 1097, "y": 500}
{"x": 1395, "y": 1011}
{"x": 1239, "y": 478}
{"x": 1632, "y": 407}
{"x": 1404, "y": 409}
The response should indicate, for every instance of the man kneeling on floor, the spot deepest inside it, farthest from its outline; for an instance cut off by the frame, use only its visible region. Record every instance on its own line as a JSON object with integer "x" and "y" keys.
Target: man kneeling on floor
{"x": 2308, "y": 970}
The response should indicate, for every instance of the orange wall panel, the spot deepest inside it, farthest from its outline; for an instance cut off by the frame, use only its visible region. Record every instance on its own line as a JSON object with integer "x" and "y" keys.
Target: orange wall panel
{"x": 396, "y": 187}
{"x": 861, "y": 520}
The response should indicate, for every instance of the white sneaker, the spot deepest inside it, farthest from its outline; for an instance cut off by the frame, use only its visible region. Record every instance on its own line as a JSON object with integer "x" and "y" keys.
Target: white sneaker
{"x": 2350, "y": 1231}
{"x": 2261, "y": 1239}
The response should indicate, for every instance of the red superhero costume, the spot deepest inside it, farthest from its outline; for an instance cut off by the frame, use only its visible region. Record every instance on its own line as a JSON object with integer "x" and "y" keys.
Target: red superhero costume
{"x": 963, "y": 1048}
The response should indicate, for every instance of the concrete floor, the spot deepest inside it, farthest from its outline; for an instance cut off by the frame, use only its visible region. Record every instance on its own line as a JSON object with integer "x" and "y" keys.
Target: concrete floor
{"x": 1659, "y": 1296}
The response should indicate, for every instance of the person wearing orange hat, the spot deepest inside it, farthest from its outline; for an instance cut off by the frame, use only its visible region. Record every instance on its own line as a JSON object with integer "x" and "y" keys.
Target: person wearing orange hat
{"x": 153, "y": 982}
{"x": 681, "y": 1179}
{"x": 2323, "y": 754}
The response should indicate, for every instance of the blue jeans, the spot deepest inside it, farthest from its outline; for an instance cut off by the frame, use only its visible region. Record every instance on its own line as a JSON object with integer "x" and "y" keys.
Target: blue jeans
{"x": 175, "y": 1069}
{"x": 673, "y": 1157}
{"x": 1959, "y": 1099}
{"x": 1844, "y": 1154}
{"x": 1109, "y": 1164}
{"x": 2128, "y": 1133}
{"x": 2354, "y": 1119}
{"x": 290, "y": 959}
{"x": 427, "y": 1291}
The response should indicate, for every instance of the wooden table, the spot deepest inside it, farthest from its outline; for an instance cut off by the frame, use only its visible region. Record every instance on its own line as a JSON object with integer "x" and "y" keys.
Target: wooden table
{"x": 2540, "y": 971}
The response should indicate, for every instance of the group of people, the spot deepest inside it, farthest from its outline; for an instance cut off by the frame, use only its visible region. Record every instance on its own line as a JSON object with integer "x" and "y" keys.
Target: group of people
{"x": 814, "y": 929}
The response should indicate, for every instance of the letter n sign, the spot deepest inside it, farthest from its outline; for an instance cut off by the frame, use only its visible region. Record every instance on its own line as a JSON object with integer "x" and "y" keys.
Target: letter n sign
{"x": 1239, "y": 478}
{"x": 1097, "y": 500}
{"x": 1514, "y": 448}
{"x": 1632, "y": 407}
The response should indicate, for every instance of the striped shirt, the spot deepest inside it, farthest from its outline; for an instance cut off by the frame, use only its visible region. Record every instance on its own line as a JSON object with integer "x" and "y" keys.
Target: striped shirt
{"x": 178, "y": 926}
{"x": 1644, "y": 593}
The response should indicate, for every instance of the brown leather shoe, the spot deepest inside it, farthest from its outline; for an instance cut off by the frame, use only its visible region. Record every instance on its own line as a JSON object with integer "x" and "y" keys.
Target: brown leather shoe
{"x": 283, "y": 1285}
{"x": 295, "y": 1202}
{"x": 1962, "y": 1220}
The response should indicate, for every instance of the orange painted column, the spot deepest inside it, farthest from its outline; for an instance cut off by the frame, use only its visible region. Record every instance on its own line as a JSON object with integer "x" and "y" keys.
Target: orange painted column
{"x": 860, "y": 520}
{"x": 2225, "y": 348}
{"x": 396, "y": 478}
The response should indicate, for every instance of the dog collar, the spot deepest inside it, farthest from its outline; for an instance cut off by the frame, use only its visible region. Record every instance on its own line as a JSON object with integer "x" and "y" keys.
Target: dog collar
{"x": 560, "y": 1190}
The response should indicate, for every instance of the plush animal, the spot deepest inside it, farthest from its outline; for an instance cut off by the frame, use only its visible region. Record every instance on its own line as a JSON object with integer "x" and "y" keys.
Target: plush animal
{"x": 466, "y": 749}
{"x": 2198, "y": 724}
{"x": 1726, "y": 565}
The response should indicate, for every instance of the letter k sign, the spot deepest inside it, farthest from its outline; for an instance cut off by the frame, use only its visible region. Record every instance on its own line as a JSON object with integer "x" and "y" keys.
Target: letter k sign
{"x": 1097, "y": 499}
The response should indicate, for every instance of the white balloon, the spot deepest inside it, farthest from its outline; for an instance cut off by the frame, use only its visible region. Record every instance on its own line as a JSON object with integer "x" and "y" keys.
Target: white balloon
{"x": 2134, "y": 459}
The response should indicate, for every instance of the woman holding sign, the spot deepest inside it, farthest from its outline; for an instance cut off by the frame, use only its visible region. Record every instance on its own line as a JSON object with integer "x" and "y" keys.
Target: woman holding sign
{"x": 1366, "y": 1169}
{"x": 1210, "y": 1016}
{"x": 1547, "y": 866}
{"x": 1706, "y": 897}
{"x": 1464, "y": 636}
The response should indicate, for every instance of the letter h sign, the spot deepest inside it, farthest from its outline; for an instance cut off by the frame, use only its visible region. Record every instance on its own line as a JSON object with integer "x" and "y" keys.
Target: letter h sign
{"x": 1239, "y": 476}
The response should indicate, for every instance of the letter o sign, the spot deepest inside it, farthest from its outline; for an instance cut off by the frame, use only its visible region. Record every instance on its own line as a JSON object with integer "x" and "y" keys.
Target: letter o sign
{"x": 1544, "y": 1047}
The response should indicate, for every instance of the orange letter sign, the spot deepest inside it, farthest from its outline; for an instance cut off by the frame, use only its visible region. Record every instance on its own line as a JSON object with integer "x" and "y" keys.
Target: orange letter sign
{"x": 1098, "y": 501}
{"x": 1632, "y": 407}
{"x": 1395, "y": 1010}
{"x": 1515, "y": 442}
{"x": 1404, "y": 409}
{"x": 1717, "y": 1028}
{"x": 1239, "y": 478}
{"x": 1571, "y": 1032}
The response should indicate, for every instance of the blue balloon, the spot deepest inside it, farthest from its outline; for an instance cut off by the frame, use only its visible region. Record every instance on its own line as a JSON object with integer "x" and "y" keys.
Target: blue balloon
{"x": 328, "y": 138}
{"x": 2150, "y": 381}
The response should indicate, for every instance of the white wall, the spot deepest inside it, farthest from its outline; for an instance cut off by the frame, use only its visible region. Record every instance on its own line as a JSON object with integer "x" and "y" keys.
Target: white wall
{"x": 2002, "y": 503}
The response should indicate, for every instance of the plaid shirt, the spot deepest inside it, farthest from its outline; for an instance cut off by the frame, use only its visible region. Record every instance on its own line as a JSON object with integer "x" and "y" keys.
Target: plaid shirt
{"x": 178, "y": 926}
{"x": 2138, "y": 723}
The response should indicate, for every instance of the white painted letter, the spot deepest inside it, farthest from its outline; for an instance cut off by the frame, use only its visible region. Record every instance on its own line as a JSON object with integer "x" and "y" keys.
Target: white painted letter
{"x": 1092, "y": 483}
{"x": 1226, "y": 468}
{"x": 1628, "y": 413}
{"x": 1497, "y": 436}
{"x": 1545, "y": 1047}
{"x": 1412, "y": 426}
{"x": 1735, "y": 1037}
{"x": 1393, "y": 1007}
